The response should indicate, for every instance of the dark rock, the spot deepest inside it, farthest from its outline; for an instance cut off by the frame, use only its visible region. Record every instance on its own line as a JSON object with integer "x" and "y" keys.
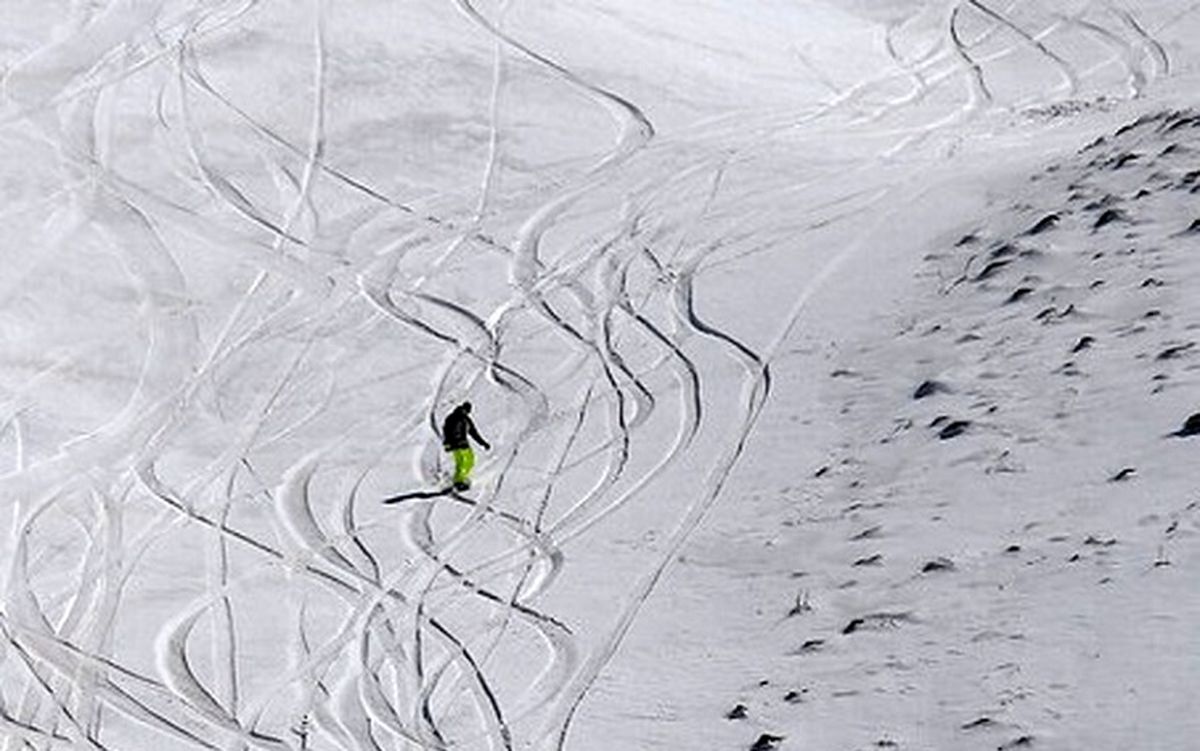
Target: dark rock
{"x": 1014, "y": 548}
{"x": 981, "y": 722}
{"x": 1045, "y": 223}
{"x": 1178, "y": 121}
{"x": 822, "y": 471}
{"x": 929, "y": 388}
{"x": 1051, "y": 314}
{"x": 1171, "y": 353}
{"x": 1124, "y": 159}
{"x": 767, "y": 742}
{"x": 1131, "y": 126}
{"x": 1083, "y": 343}
{"x": 795, "y": 697}
{"x": 1152, "y": 282}
{"x": 1191, "y": 427}
{"x": 967, "y": 239}
{"x": 808, "y": 647}
{"x": 1108, "y": 217}
{"x": 937, "y": 564}
{"x": 1018, "y": 294}
{"x": 737, "y": 713}
{"x": 1123, "y": 475}
{"x": 991, "y": 270}
{"x": 1101, "y": 203}
{"x": 1193, "y": 227}
{"x": 954, "y": 429}
{"x": 876, "y": 622}
{"x": 868, "y": 533}
{"x": 871, "y": 560}
{"x": 801, "y": 607}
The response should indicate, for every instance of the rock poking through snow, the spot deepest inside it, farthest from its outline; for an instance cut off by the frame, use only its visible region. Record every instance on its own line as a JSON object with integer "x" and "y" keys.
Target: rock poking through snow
{"x": 929, "y": 388}
{"x": 1191, "y": 427}
{"x": 954, "y": 429}
{"x": 767, "y": 742}
{"x": 739, "y": 712}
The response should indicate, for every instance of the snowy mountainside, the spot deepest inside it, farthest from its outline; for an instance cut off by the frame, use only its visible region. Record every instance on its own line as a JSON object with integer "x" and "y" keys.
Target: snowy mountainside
{"x": 690, "y": 262}
{"x": 993, "y": 547}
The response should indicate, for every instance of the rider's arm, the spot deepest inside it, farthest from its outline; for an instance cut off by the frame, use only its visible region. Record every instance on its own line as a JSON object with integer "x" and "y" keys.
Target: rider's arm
{"x": 475, "y": 434}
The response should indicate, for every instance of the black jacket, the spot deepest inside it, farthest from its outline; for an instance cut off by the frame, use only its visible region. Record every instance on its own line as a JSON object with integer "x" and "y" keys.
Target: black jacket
{"x": 456, "y": 428}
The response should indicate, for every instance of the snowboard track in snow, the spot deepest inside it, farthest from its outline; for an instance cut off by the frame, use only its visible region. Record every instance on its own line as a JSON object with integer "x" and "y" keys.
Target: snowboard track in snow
{"x": 290, "y": 334}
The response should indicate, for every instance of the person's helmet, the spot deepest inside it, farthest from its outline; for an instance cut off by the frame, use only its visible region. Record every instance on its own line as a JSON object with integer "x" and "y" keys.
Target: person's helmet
{"x": 465, "y": 406}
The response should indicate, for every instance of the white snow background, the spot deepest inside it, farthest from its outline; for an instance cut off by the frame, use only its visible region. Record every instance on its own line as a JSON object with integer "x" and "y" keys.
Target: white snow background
{"x": 691, "y": 262}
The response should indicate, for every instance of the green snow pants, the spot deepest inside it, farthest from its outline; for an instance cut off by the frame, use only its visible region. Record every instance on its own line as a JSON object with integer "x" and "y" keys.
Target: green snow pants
{"x": 464, "y": 460}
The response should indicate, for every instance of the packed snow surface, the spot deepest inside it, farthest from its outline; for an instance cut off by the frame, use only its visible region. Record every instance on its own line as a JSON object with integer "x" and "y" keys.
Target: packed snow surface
{"x": 839, "y": 361}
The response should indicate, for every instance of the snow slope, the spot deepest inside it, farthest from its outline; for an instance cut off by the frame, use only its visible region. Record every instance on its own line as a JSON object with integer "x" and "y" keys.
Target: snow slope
{"x": 690, "y": 261}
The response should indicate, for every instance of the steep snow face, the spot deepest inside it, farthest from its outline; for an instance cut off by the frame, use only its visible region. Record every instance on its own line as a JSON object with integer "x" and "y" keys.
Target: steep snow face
{"x": 991, "y": 543}
{"x": 681, "y": 257}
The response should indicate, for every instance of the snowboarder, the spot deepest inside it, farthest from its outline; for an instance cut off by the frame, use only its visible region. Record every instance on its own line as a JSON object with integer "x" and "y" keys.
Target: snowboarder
{"x": 456, "y": 430}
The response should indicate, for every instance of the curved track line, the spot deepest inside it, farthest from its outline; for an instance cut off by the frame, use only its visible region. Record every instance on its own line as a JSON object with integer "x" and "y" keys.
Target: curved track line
{"x": 1157, "y": 51}
{"x": 979, "y": 87}
{"x": 637, "y": 128}
{"x": 1069, "y": 75}
{"x": 1125, "y": 53}
{"x": 176, "y": 670}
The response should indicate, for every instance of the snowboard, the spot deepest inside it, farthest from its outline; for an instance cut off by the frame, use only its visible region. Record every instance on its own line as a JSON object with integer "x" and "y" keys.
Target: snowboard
{"x": 416, "y": 495}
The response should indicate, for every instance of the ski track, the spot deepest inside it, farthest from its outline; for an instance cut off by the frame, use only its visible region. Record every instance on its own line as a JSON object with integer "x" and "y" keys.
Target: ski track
{"x": 399, "y": 628}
